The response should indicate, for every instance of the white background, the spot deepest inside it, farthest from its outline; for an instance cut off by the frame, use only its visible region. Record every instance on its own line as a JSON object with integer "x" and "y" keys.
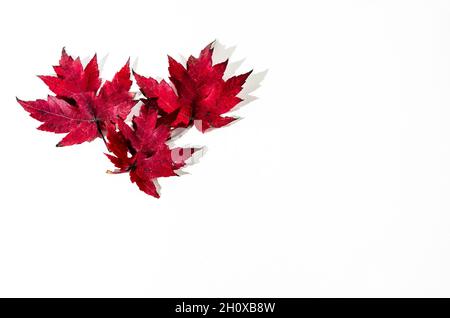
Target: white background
{"x": 335, "y": 183}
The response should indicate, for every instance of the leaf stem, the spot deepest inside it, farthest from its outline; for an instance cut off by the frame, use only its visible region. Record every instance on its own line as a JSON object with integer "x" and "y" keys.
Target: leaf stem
{"x": 101, "y": 134}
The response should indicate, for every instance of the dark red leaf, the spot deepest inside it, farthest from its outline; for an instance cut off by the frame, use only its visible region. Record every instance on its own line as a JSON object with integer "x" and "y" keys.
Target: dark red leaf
{"x": 201, "y": 94}
{"x": 142, "y": 151}
{"x": 78, "y": 109}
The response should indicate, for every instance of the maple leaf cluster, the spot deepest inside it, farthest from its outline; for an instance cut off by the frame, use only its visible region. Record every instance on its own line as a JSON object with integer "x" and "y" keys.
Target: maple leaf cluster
{"x": 85, "y": 109}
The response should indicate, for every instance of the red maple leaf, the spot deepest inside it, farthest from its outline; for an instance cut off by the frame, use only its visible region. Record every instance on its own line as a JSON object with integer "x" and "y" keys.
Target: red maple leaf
{"x": 142, "y": 151}
{"x": 201, "y": 92}
{"x": 81, "y": 108}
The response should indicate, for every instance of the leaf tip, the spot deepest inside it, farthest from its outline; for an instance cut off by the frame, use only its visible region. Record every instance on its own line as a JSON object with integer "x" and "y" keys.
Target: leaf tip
{"x": 171, "y": 59}
{"x": 63, "y": 52}
{"x": 127, "y": 65}
{"x": 211, "y": 44}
